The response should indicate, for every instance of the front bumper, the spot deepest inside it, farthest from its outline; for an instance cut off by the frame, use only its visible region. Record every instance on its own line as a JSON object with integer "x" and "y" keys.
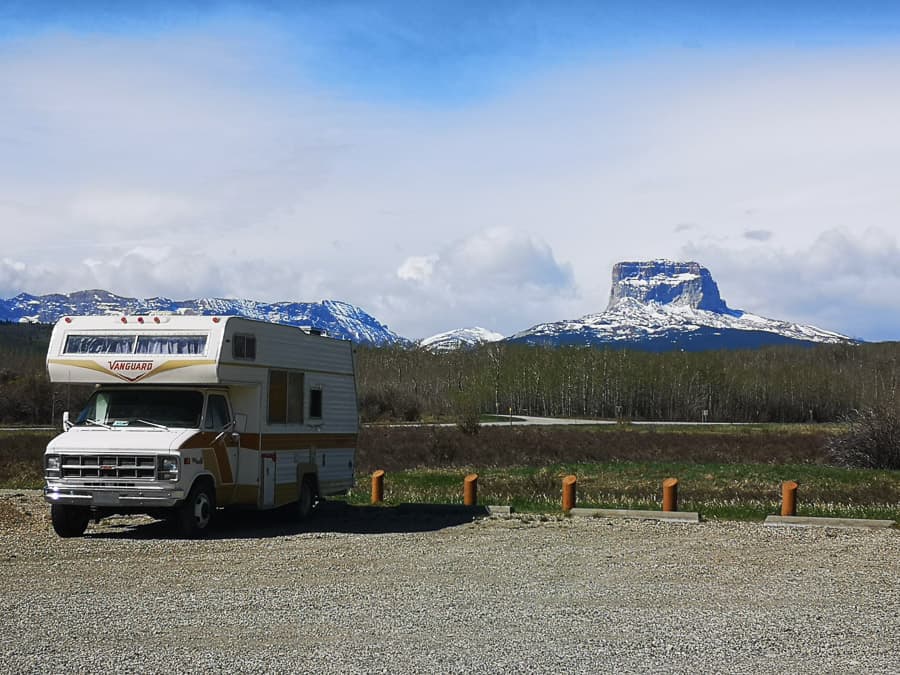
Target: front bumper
{"x": 114, "y": 497}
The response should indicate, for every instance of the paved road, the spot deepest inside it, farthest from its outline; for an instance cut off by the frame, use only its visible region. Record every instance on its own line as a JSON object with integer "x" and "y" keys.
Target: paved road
{"x": 521, "y": 420}
{"x": 8, "y": 429}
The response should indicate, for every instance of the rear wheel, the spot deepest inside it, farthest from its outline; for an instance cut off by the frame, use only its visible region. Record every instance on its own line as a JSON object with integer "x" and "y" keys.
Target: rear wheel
{"x": 69, "y": 521}
{"x": 306, "y": 499}
{"x": 196, "y": 513}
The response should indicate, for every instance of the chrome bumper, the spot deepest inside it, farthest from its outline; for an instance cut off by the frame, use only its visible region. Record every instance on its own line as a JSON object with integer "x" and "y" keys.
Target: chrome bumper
{"x": 100, "y": 497}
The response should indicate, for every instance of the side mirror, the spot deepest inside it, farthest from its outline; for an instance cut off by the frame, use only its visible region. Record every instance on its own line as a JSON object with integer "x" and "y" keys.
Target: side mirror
{"x": 226, "y": 430}
{"x": 240, "y": 422}
{"x": 66, "y": 423}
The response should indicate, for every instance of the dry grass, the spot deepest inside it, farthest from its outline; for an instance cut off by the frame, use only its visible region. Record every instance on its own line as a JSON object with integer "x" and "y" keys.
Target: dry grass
{"x": 21, "y": 453}
{"x": 400, "y": 448}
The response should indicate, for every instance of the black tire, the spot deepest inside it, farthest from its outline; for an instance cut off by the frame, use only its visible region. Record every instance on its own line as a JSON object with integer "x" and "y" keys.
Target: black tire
{"x": 306, "y": 500}
{"x": 69, "y": 521}
{"x": 196, "y": 512}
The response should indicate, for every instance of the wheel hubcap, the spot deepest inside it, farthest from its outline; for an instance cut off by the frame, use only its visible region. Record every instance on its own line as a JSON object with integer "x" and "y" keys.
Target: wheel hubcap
{"x": 202, "y": 510}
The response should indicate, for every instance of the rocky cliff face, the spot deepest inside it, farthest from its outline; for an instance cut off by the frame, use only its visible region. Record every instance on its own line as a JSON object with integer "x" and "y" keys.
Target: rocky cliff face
{"x": 686, "y": 284}
{"x": 661, "y": 305}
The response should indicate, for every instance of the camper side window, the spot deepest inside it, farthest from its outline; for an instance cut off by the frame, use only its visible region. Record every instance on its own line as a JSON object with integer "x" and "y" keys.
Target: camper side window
{"x": 285, "y": 397}
{"x": 243, "y": 347}
{"x": 315, "y": 403}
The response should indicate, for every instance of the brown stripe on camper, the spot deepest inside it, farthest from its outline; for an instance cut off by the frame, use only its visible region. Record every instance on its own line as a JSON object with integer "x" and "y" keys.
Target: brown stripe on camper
{"x": 304, "y": 441}
{"x": 270, "y": 442}
{"x": 224, "y": 463}
{"x": 211, "y": 464}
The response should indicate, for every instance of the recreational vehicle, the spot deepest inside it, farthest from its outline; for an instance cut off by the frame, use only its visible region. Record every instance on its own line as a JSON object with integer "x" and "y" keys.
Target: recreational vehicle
{"x": 192, "y": 413}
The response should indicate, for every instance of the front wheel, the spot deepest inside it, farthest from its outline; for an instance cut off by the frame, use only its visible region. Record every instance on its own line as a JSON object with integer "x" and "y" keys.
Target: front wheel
{"x": 69, "y": 521}
{"x": 196, "y": 513}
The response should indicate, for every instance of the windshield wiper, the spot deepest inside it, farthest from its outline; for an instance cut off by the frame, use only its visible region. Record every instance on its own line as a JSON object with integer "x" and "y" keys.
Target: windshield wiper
{"x": 99, "y": 424}
{"x": 152, "y": 424}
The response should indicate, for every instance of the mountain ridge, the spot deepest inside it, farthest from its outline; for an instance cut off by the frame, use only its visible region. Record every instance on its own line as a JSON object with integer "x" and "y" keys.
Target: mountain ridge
{"x": 332, "y": 317}
{"x": 460, "y": 338}
{"x": 656, "y": 305}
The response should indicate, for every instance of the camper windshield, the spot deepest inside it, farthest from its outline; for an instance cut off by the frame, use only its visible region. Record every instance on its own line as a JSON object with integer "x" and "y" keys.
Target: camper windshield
{"x": 143, "y": 408}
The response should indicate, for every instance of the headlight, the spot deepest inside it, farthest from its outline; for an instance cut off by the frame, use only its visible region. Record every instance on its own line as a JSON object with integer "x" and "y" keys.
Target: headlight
{"x": 167, "y": 467}
{"x": 51, "y": 466}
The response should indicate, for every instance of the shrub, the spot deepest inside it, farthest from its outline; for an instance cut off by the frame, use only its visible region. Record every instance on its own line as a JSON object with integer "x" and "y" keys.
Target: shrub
{"x": 389, "y": 404}
{"x": 872, "y": 439}
{"x": 467, "y": 411}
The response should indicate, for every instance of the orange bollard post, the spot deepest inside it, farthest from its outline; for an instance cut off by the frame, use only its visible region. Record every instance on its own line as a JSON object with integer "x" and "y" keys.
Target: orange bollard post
{"x": 568, "y": 492}
{"x": 670, "y": 494}
{"x": 378, "y": 486}
{"x": 470, "y": 490}
{"x": 789, "y": 498}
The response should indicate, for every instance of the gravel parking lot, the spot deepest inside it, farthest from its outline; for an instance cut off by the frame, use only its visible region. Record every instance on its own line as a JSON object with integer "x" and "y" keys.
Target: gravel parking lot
{"x": 410, "y": 590}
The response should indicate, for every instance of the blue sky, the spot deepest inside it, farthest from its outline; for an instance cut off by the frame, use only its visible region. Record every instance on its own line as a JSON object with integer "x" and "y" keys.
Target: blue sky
{"x": 455, "y": 164}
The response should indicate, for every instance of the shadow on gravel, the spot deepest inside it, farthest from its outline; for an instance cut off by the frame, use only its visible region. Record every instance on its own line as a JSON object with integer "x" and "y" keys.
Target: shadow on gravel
{"x": 328, "y": 517}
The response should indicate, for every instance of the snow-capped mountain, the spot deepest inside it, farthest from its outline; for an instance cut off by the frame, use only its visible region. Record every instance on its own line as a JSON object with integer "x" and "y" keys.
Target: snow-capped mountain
{"x": 337, "y": 319}
{"x": 659, "y": 305}
{"x": 662, "y": 305}
{"x": 461, "y": 338}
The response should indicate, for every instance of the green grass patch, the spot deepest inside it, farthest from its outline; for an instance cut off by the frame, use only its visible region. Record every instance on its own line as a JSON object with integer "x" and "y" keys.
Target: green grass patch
{"x": 726, "y": 473}
{"x": 717, "y": 491}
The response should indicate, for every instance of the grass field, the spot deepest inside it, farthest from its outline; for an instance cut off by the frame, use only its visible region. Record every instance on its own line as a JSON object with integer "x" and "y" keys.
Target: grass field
{"x": 729, "y": 473}
{"x": 717, "y": 491}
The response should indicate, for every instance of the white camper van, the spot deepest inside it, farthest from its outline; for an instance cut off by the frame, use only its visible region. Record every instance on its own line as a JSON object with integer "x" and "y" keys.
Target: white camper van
{"x": 191, "y": 413}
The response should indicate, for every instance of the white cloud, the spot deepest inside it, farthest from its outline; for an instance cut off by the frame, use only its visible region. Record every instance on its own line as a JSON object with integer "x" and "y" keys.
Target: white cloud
{"x": 842, "y": 281}
{"x": 503, "y": 256}
{"x": 417, "y": 268}
{"x": 499, "y": 277}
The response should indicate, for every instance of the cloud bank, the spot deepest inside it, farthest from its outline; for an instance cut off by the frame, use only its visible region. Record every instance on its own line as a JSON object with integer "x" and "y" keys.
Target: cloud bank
{"x": 207, "y": 160}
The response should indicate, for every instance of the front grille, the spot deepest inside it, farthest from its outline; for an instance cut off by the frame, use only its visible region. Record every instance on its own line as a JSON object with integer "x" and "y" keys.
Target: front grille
{"x": 138, "y": 467}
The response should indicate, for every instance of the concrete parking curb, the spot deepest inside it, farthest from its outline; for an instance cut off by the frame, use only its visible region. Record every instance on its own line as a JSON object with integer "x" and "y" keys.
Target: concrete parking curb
{"x": 444, "y": 509}
{"x": 664, "y": 516}
{"x": 810, "y": 521}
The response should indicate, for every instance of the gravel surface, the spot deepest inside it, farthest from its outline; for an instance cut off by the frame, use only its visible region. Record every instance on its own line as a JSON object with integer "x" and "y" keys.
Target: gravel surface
{"x": 411, "y": 590}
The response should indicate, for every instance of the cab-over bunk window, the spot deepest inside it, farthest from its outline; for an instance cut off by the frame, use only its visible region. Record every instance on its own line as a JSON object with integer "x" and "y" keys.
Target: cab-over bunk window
{"x": 135, "y": 344}
{"x": 285, "y": 397}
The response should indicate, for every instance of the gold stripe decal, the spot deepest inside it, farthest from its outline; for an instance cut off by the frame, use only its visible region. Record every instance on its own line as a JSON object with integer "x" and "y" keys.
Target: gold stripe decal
{"x": 131, "y": 370}
{"x": 224, "y": 462}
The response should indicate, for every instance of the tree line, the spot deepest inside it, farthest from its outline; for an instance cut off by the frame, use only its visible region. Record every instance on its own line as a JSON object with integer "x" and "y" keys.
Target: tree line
{"x": 822, "y": 383}
{"x": 26, "y": 394}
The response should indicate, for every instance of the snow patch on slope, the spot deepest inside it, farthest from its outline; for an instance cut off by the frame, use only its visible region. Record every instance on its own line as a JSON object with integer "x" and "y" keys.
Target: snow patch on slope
{"x": 461, "y": 338}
